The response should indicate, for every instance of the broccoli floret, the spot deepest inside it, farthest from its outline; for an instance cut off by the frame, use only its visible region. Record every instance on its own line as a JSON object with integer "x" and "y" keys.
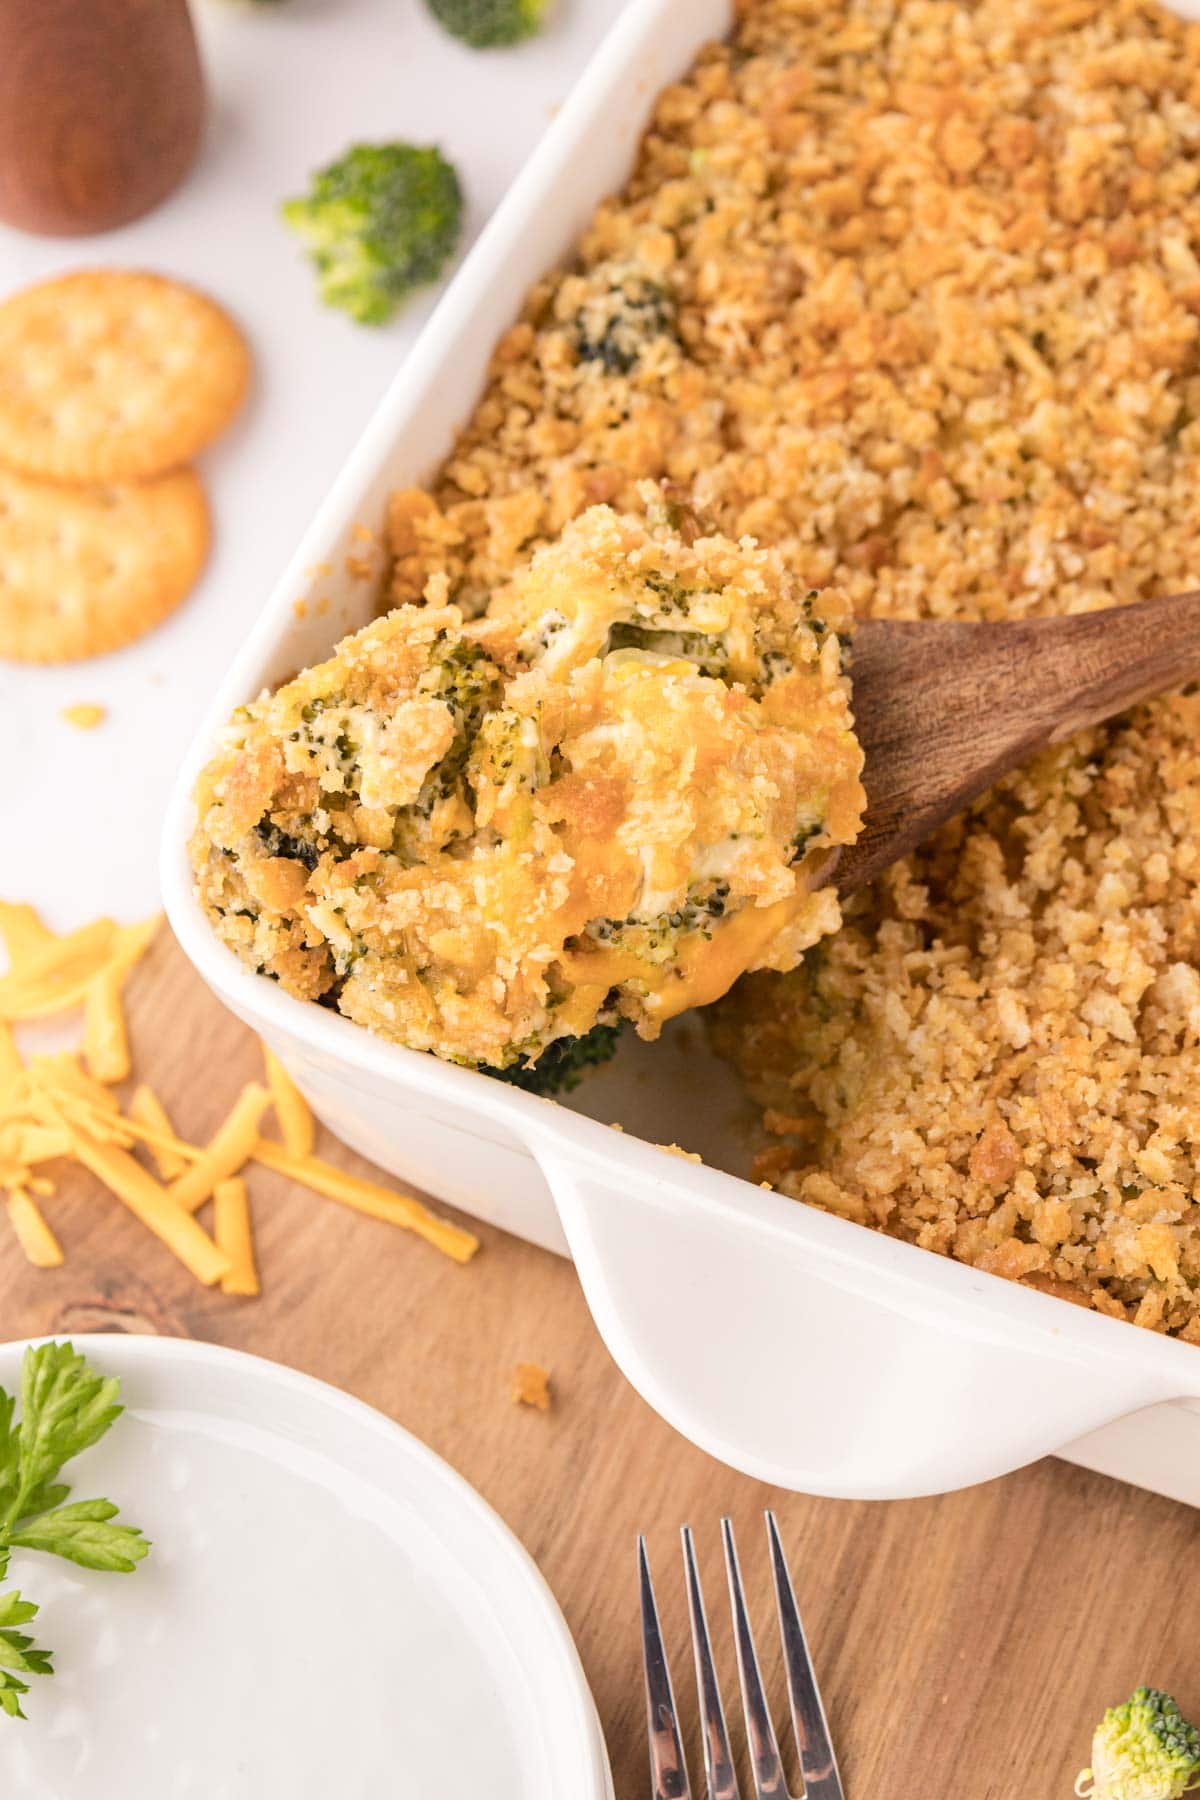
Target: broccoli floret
{"x": 278, "y": 843}
{"x": 658, "y": 939}
{"x": 469, "y": 683}
{"x": 562, "y": 1063}
{"x": 708, "y": 653}
{"x": 1143, "y": 1750}
{"x": 378, "y": 222}
{"x": 489, "y": 24}
{"x": 615, "y": 326}
{"x": 465, "y": 677}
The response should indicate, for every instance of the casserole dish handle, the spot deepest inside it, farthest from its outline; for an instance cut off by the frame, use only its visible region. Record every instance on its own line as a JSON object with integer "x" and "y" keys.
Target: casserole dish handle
{"x": 822, "y": 1362}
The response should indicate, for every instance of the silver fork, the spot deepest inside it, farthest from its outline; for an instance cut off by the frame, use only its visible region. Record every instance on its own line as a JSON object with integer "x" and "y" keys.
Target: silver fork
{"x": 668, "y": 1768}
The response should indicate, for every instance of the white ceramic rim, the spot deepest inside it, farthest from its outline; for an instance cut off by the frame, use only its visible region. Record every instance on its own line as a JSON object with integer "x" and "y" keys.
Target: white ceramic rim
{"x": 122, "y": 1353}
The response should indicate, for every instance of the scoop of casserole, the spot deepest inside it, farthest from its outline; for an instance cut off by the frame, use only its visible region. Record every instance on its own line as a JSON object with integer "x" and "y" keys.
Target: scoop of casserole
{"x": 604, "y": 799}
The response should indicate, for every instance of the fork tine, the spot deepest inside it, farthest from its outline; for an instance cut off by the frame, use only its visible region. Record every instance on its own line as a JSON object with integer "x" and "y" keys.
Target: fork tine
{"x": 719, "y": 1769}
{"x": 668, "y": 1770}
{"x": 765, "y": 1761}
{"x": 817, "y": 1760}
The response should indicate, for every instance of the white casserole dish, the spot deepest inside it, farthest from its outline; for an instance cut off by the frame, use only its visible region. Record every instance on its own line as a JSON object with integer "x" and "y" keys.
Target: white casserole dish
{"x": 800, "y": 1348}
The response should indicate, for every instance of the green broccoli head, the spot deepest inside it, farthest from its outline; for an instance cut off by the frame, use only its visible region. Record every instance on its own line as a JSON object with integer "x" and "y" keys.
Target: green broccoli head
{"x": 1143, "y": 1750}
{"x": 378, "y": 222}
{"x": 562, "y": 1064}
{"x": 489, "y": 24}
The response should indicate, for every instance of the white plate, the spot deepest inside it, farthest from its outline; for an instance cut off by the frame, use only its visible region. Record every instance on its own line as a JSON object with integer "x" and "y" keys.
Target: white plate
{"x": 328, "y": 1610}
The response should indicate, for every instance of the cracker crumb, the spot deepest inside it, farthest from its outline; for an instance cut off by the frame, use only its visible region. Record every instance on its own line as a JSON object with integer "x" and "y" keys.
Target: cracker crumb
{"x": 531, "y": 1386}
{"x": 997, "y": 1058}
{"x": 86, "y": 715}
{"x": 362, "y": 560}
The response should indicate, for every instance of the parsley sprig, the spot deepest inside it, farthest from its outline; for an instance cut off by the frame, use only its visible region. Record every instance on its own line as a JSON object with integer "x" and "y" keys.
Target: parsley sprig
{"x": 65, "y": 1407}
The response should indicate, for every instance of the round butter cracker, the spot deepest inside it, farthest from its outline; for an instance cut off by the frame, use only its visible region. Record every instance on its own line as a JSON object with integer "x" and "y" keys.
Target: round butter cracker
{"x": 85, "y": 570}
{"x": 114, "y": 375}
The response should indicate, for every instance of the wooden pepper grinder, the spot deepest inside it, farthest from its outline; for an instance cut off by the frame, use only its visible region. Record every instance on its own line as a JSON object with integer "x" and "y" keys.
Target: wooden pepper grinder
{"x": 101, "y": 107}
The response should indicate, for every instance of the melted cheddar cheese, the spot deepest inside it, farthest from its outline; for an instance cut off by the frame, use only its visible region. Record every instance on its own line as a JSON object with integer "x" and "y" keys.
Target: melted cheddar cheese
{"x": 605, "y": 798}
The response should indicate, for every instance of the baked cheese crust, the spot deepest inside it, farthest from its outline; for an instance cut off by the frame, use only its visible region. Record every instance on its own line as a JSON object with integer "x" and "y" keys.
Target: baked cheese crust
{"x": 605, "y": 798}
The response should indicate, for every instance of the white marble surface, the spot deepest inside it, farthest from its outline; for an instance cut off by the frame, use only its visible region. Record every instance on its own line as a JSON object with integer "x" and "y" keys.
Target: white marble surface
{"x": 291, "y": 85}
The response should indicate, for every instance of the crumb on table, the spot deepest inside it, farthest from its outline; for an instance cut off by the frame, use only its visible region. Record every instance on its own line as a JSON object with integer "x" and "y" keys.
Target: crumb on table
{"x": 85, "y": 716}
{"x": 531, "y": 1386}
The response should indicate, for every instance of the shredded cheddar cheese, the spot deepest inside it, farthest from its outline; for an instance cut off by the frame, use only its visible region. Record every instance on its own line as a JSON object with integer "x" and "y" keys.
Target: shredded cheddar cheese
{"x": 105, "y": 1040}
{"x": 291, "y": 1108}
{"x": 234, "y": 1234}
{"x": 160, "y": 1143}
{"x": 22, "y": 931}
{"x": 59, "y": 1083}
{"x": 150, "y": 1202}
{"x": 30, "y": 1143}
{"x": 59, "y": 1089}
{"x": 146, "y": 1109}
{"x": 13, "y": 1174}
{"x": 232, "y": 1146}
{"x": 366, "y": 1197}
{"x": 32, "y": 1232}
{"x": 62, "y": 1106}
{"x": 56, "y": 977}
{"x": 10, "y": 1057}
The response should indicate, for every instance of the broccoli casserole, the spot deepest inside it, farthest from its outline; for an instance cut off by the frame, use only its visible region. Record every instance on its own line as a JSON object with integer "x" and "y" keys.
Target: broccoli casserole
{"x": 908, "y": 292}
{"x": 603, "y": 800}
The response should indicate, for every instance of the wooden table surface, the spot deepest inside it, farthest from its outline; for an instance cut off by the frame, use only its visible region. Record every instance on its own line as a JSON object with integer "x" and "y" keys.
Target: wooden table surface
{"x": 966, "y": 1645}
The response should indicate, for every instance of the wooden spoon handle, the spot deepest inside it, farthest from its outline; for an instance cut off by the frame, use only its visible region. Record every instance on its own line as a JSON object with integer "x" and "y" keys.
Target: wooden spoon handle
{"x": 943, "y": 708}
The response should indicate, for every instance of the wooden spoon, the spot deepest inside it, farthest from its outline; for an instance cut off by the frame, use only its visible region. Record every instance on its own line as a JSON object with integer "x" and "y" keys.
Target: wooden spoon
{"x": 943, "y": 708}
